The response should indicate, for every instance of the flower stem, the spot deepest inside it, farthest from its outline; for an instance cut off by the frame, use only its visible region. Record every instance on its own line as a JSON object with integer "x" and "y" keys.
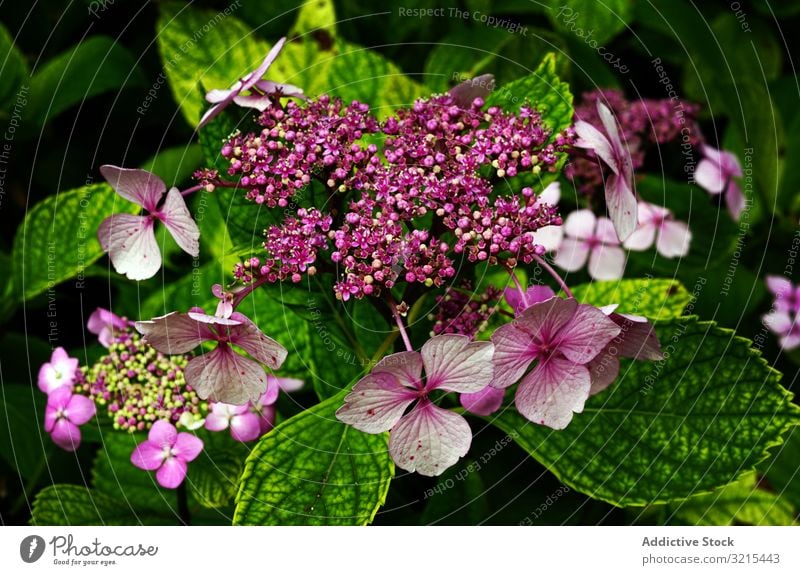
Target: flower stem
{"x": 549, "y": 269}
{"x": 193, "y": 189}
{"x": 522, "y": 290}
{"x": 401, "y": 327}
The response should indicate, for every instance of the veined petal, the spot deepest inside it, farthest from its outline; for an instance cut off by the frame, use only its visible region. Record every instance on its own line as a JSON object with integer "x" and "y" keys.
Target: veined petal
{"x": 174, "y": 333}
{"x": 553, "y": 391}
{"x": 137, "y": 186}
{"x": 484, "y": 402}
{"x": 288, "y": 90}
{"x": 607, "y": 262}
{"x": 261, "y": 347}
{"x": 175, "y": 215}
{"x": 514, "y": 350}
{"x": 603, "y": 370}
{"x": 406, "y": 366}
{"x": 225, "y": 376}
{"x": 171, "y": 474}
{"x": 251, "y": 79}
{"x": 217, "y": 96}
{"x": 131, "y": 244}
{"x": 610, "y": 125}
{"x": 255, "y": 101}
{"x": 622, "y": 205}
{"x": 454, "y": 363}
{"x": 534, "y": 294}
{"x": 673, "y": 239}
{"x": 593, "y": 139}
{"x": 637, "y": 338}
{"x": 376, "y": 403}
{"x": 429, "y": 440}
{"x": 148, "y": 456}
{"x": 586, "y": 334}
{"x": 544, "y": 321}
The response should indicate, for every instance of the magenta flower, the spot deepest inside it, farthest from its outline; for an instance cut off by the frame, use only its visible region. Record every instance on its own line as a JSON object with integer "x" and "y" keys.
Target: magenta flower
{"x": 264, "y": 409}
{"x": 657, "y": 224}
{"x": 221, "y": 375}
{"x": 620, "y": 198}
{"x": 167, "y": 451}
{"x": 592, "y": 238}
{"x": 787, "y": 295}
{"x": 483, "y": 402}
{"x": 66, "y": 411}
{"x": 243, "y": 423}
{"x": 782, "y": 319}
{"x": 260, "y": 89}
{"x": 534, "y": 294}
{"x": 428, "y": 439}
{"x": 129, "y": 240}
{"x": 104, "y": 323}
{"x": 562, "y": 337}
{"x": 716, "y": 172}
{"x": 59, "y": 372}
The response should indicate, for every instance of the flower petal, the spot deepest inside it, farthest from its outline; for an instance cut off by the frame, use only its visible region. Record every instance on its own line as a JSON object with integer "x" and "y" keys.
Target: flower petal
{"x": 217, "y": 421}
{"x": 175, "y": 215}
{"x": 131, "y": 244}
{"x": 513, "y": 353}
{"x": 642, "y": 238}
{"x": 607, "y": 263}
{"x": 478, "y": 87}
{"x": 549, "y": 237}
{"x": 429, "y": 440}
{"x": 780, "y": 286}
{"x": 586, "y": 334}
{"x": 245, "y": 427}
{"x": 137, "y": 186}
{"x": 289, "y": 384}
{"x": 148, "y": 456}
{"x": 247, "y": 336}
{"x": 735, "y": 200}
{"x": 593, "y": 139}
{"x": 251, "y": 79}
{"x": 454, "y": 363}
{"x": 553, "y": 391}
{"x": 603, "y": 370}
{"x": 622, "y": 205}
{"x": 709, "y": 176}
{"x": 187, "y": 446}
{"x": 59, "y": 397}
{"x": 174, "y": 333}
{"x": 484, "y": 402}
{"x": 66, "y": 435}
{"x": 273, "y": 88}
{"x": 103, "y": 323}
{"x": 780, "y": 322}
{"x": 571, "y": 255}
{"x": 673, "y": 239}
{"x": 406, "y": 366}
{"x": 376, "y": 403}
{"x": 171, "y": 474}
{"x": 551, "y": 195}
{"x": 211, "y": 113}
{"x": 534, "y": 294}
{"x": 255, "y": 101}
{"x": 605, "y": 232}
{"x": 163, "y": 434}
{"x": 637, "y": 338}
{"x": 580, "y": 224}
{"x": 80, "y": 409}
{"x": 225, "y": 376}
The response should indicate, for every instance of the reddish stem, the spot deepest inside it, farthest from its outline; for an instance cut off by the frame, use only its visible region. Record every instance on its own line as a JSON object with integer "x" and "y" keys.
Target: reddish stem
{"x": 549, "y": 269}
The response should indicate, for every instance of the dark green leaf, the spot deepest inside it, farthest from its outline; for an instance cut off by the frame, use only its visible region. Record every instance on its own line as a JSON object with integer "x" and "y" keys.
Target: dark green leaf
{"x": 76, "y": 505}
{"x": 13, "y": 70}
{"x": 589, "y": 19}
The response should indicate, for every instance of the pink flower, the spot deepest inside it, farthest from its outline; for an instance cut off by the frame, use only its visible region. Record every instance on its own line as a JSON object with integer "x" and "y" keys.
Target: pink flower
{"x": 243, "y": 423}
{"x": 782, "y": 319}
{"x": 225, "y": 305}
{"x": 483, "y": 402}
{"x": 787, "y": 295}
{"x": 129, "y": 240}
{"x": 260, "y": 90}
{"x": 592, "y": 238}
{"x": 657, "y": 224}
{"x": 167, "y": 451}
{"x": 534, "y": 294}
{"x": 637, "y": 340}
{"x": 221, "y": 375}
{"x": 716, "y": 172}
{"x": 549, "y": 237}
{"x": 65, "y": 411}
{"x": 264, "y": 409}
{"x": 58, "y": 372}
{"x": 427, "y": 439}
{"x": 562, "y": 336}
{"x": 620, "y": 198}
{"x": 104, "y": 323}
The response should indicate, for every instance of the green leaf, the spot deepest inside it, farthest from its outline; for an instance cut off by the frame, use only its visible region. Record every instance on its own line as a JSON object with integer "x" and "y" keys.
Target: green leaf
{"x": 77, "y": 505}
{"x": 214, "y": 476}
{"x": 544, "y": 90}
{"x": 175, "y": 165}
{"x": 58, "y": 238}
{"x": 202, "y": 50}
{"x": 783, "y": 470}
{"x": 591, "y": 20}
{"x": 314, "y": 470}
{"x": 653, "y": 298}
{"x": 13, "y": 69}
{"x": 24, "y": 446}
{"x": 668, "y": 430}
{"x": 740, "y": 503}
{"x": 97, "y": 65}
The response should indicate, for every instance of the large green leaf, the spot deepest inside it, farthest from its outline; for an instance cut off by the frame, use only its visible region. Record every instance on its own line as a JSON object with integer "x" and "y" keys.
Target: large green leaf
{"x": 314, "y": 470}
{"x": 590, "y": 20}
{"x": 13, "y": 70}
{"x": 652, "y": 298}
{"x": 77, "y": 505}
{"x": 58, "y": 238}
{"x": 175, "y": 165}
{"x": 783, "y": 470}
{"x": 23, "y": 445}
{"x": 672, "y": 429}
{"x": 94, "y": 66}
{"x": 214, "y": 476}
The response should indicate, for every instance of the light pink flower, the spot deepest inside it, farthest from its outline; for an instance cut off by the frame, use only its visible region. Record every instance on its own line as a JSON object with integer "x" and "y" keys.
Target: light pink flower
{"x": 549, "y": 237}
{"x": 657, "y": 224}
{"x": 787, "y": 295}
{"x": 104, "y": 323}
{"x": 260, "y": 89}
{"x": 427, "y": 439}
{"x": 243, "y": 423}
{"x": 592, "y": 238}
{"x": 562, "y": 337}
{"x": 784, "y": 324}
{"x": 167, "y": 451}
{"x": 716, "y": 172}
{"x": 220, "y": 375}
{"x": 58, "y": 372}
{"x": 620, "y": 198}
{"x": 66, "y": 411}
{"x": 129, "y": 240}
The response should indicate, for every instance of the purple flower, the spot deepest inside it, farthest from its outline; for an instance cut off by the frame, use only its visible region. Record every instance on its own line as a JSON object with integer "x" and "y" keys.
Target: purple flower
{"x": 104, "y": 323}
{"x": 129, "y": 240}
{"x": 534, "y": 294}
{"x": 787, "y": 295}
{"x": 260, "y": 90}
{"x": 427, "y": 439}
{"x": 221, "y": 375}
{"x": 592, "y": 238}
{"x": 782, "y": 319}
{"x": 59, "y": 372}
{"x": 167, "y": 451}
{"x": 620, "y": 198}
{"x": 465, "y": 93}
{"x": 65, "y": 411}
{"x": 562, "y": 337}
{"x": 716, "y": 172}
{"x": 657, "y": 224}
{"x": 243, "y": 423}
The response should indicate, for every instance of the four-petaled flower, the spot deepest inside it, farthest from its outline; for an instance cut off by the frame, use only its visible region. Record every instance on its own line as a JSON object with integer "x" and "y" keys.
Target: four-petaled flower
{"x": 58, "y": 372}
{"x": 620, "y": 197}
{"x": 657, "y": 224}
{"x": 65, "y": 411}
{"x": 716, "y": 172}
{"x": 220, "y": 375}
{"x": 103, "y": 323}
{"x": 129, "y": 240}
{"x": 782, "y": 319}
{"x": 167, "y": 451}
{"x": 592, "y": 238}
{"x": 562, "y": 337}
{"x": 240, "y": 419}
{"x": 428, "y": 439}
{"x": 260, "y": 90}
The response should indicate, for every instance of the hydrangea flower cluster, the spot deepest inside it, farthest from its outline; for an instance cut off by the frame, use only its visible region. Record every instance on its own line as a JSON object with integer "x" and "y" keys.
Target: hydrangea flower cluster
{"x": 463, "y": 312}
